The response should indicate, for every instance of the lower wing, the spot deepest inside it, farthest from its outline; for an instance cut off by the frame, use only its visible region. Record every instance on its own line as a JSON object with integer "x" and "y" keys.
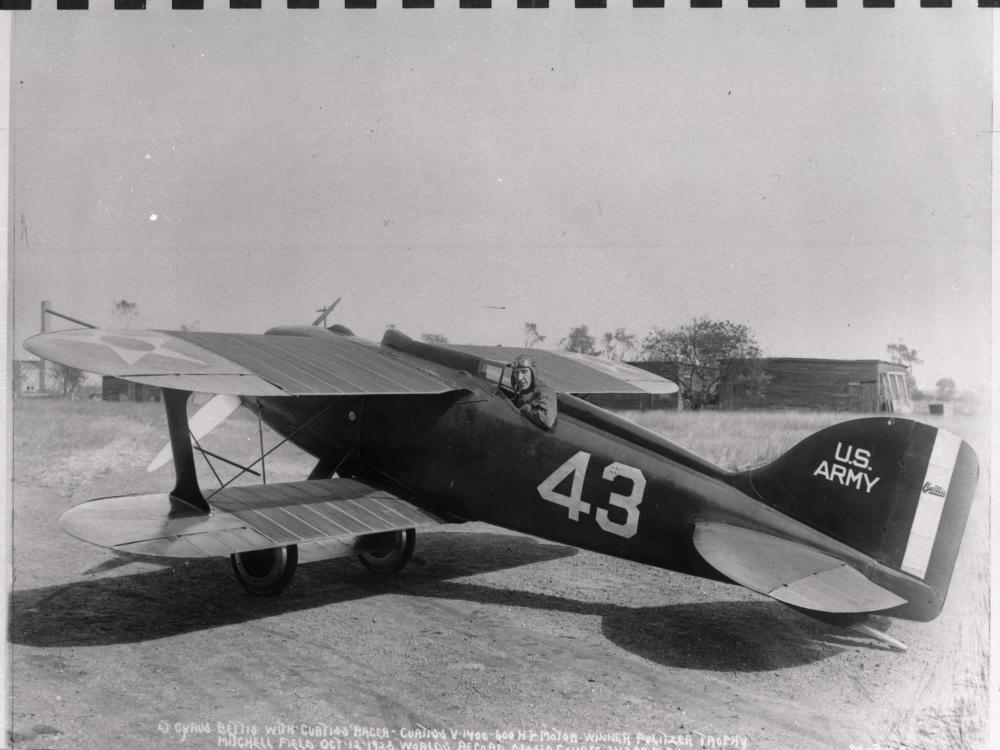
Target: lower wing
{"x": 243, "y": 519}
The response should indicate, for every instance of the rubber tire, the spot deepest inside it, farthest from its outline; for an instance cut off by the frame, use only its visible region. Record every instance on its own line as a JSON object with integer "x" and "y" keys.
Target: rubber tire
{"x": 265, "y": 572}
{"x": 396, "y": 554}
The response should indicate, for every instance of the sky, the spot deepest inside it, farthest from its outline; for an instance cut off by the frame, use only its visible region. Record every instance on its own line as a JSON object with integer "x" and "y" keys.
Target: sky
{"x": 822, "y": 176}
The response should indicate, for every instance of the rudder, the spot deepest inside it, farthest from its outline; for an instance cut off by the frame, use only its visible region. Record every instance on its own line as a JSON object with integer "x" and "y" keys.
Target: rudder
{"x": 897, "y": 490}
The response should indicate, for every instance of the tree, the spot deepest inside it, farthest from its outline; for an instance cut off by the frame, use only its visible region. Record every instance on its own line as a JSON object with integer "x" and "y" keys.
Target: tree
{"x": 579, "y": 341}
{"x": 946, "y": 389}
{"x": 69, "y": 379}
{"x": 617, "y": 345}
{"x": 434, "y": 338}
{"x": 901, "y": 354}
{"x": 531, "y": 335}
{"x": 707, "y": 352}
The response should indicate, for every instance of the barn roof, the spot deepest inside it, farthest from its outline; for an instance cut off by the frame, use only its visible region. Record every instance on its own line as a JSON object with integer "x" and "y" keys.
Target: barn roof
{"x": 828, "y": 360}
{"x": 803, "y": 360}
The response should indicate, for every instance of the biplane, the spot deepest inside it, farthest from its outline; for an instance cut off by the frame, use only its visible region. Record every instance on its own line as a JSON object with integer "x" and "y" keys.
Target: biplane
{"x": 860, "y": 518}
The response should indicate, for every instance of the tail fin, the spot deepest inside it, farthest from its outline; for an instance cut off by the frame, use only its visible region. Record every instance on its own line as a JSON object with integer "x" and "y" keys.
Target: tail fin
{"x": 897, "y": 490}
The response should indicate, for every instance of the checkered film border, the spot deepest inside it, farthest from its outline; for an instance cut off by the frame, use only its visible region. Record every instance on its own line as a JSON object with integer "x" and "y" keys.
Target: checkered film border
{"x": 483, "y": 4}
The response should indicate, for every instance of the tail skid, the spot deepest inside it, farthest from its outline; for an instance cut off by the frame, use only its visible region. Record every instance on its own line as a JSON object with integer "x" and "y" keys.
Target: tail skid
{"x": 867, "y": 630}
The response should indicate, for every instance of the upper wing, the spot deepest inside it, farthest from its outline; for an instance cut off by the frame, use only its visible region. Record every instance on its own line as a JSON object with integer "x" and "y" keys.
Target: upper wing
{"x": 579, "y": 373}
{"x": 321, "y": 365}
{"x": 243, "y": 519}
{"x": 242, "y": 364}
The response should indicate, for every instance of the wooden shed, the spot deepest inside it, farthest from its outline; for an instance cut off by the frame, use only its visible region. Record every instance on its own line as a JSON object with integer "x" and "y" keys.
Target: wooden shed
{"x": 116, "y": 389}
{"x": 856, "y": 385}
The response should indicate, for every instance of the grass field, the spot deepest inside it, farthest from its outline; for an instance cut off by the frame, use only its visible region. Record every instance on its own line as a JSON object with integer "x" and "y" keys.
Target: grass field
{"x": 90, "y": 439}
{"x": 742, "y": 439}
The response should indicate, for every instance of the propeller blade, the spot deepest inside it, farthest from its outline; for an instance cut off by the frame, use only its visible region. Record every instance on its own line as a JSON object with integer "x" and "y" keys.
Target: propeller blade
{"x": 215, "y": 411}
{"x": 325, "y": 311}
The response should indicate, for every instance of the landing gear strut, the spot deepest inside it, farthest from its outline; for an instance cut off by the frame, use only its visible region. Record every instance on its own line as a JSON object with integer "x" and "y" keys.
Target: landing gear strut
{"x": 387, "y": 553}
{"x": 265, "y": 572}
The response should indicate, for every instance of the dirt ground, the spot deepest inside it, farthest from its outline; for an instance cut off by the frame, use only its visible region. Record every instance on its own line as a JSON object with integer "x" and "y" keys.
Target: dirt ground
{"x": 488, "y": 641}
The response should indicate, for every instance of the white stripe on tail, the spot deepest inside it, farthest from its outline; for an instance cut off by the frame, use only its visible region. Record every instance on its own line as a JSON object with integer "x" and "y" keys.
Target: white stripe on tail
{"x": 933, "y": 494}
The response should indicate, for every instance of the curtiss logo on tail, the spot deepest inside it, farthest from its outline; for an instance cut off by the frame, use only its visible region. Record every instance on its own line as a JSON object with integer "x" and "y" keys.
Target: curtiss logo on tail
{"x": 934, "y": 489}
{"x": 850, "y": 467}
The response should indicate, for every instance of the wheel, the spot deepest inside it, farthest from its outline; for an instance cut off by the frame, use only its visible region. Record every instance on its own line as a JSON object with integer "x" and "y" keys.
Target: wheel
{"x": 265, "y": 572}
{"x": 388, "y": 553}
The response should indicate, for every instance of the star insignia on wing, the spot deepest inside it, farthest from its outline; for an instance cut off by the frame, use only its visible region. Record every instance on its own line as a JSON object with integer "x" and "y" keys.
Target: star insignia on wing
{"x": 132, "y": 349}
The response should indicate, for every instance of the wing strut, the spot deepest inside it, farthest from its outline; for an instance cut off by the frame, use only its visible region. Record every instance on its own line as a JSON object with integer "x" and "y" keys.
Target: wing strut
{"x": 260, "y": 434}
{"x": 325, "y": 468}
{"x": 186, "y": 488}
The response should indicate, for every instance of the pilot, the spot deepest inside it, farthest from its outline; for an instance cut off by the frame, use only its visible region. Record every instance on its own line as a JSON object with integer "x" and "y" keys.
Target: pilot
{"x": 535, "y": 400}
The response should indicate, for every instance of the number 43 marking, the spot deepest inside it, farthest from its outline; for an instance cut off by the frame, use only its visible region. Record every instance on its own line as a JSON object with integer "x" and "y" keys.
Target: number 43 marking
{"x": 577, "y": 467}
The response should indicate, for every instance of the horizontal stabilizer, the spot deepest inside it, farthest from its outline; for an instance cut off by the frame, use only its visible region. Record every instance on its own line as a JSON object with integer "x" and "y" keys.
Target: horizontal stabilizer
{"x": 242, "y": 518}
{"x": 789, "y": 572}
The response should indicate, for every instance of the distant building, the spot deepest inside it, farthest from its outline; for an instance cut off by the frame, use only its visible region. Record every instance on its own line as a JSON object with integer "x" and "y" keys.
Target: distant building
{"x": 855, "y": 385}
{"x": 859, "y": 385}
{"x": 116, "y": 389}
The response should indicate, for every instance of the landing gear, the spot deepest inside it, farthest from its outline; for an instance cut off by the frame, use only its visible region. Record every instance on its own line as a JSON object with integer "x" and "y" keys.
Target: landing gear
{"x": 387, "y": 553}
{"x": 265, "y": 572}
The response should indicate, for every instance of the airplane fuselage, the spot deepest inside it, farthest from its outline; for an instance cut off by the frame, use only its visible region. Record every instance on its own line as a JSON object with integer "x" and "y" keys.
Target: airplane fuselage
{"x": 594, "y": 481}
